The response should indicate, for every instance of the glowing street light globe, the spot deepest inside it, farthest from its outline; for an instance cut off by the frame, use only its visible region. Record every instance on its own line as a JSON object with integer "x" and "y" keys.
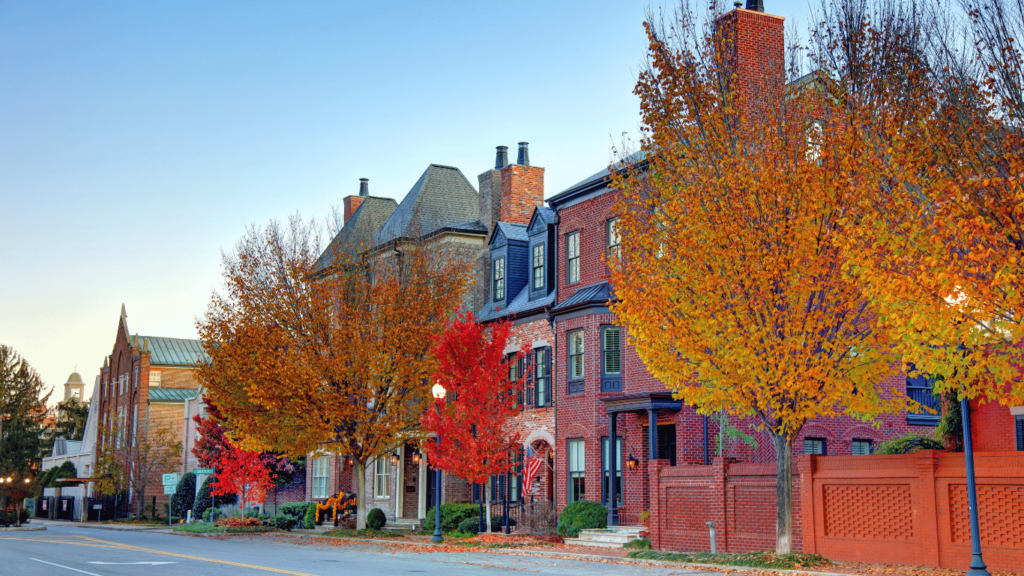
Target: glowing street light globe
{"x": 438, "y": 391}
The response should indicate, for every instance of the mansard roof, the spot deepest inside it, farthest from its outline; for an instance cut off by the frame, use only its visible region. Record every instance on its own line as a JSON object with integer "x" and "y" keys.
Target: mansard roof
{"x": 441, "y": 198}
{"x": 357, "y": 234}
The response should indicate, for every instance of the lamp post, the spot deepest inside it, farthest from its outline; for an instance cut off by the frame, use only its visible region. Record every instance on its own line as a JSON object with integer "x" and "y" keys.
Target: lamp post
{"x": 977, "y": 567}
{"x": 438, "y": 391}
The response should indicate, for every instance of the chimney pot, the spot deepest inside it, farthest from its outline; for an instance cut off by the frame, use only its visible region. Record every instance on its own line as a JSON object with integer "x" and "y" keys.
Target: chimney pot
{"x": 755, "y": 5}
{"x": 524, "y": 154}
{"x": 501, "y": 159}
{"x": 364, "y": 187}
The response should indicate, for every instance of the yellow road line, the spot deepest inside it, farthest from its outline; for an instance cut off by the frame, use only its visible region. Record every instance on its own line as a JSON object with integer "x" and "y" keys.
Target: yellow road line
{"x": 253, "y": 566}
{"x": 106, "y": 545}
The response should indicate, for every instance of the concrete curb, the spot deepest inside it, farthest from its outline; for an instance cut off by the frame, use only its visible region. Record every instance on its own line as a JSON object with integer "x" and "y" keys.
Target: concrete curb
{"x": 22, "y": 528}
{"x": 113, "y": 527}
{"x": 589, "y": 557}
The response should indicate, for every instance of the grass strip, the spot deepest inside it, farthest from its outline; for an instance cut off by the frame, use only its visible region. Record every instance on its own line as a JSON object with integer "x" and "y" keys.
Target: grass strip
{"x": 744, "y": 559}
{"x": 199, "y": 528}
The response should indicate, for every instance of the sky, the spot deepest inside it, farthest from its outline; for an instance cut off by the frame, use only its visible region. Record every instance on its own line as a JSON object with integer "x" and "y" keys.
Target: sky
{"x": 139, "y": 139}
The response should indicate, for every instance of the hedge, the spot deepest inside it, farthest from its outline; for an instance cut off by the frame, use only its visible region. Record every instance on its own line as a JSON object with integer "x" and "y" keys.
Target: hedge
{"x": 581, "y": 515}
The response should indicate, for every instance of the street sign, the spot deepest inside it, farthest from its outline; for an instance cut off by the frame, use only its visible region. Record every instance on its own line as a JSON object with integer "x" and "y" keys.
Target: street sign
{"x": 170, "y": 488}
{"x": 171, "y": 478}
{"x": 203, "y": 471}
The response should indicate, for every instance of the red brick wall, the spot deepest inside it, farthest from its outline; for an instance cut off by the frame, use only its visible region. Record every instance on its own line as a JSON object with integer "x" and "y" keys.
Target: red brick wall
{"x": 912, "y": 509}
{"x": 536, "y": 426}
{"x": 992, "y": 427}
{"x": 352, "y": 203}
{"x": 753, "y": 44}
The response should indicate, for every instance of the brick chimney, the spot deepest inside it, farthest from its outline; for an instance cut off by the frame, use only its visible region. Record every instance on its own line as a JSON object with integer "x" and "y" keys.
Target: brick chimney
{"x": 752, "y": 45}
{"x": 352, "y": 203}
{"x": 522, "y": 188}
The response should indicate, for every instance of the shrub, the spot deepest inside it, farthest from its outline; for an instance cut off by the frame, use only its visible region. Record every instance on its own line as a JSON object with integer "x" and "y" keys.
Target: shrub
{"x": 909, "y": 443}
{"x": 310, "y": 518}
{"x": 7, "y": 518}
{"x": 451, "y": 516}
{"x": 470, "y": 526}
{"x": 212, "y": 514}
{"x": 376, "y": 519}
{"x": 641, "y": 544}
{"x": 281, "y": 522}
{"x": 581, "y": 515}
{"x": 184, "y": 497}
{"x": 296, "y": 510}
{"x": 48, "y": 479}
{"x": 239, "y": 522}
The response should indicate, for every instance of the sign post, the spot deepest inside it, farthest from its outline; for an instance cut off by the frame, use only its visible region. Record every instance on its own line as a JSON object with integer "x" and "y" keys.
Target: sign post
{"x": 206, "y": 471}
{"x": 170, "y": 486}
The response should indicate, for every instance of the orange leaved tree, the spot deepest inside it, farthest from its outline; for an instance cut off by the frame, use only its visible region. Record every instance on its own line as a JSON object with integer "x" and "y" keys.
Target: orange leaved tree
{"x": 474, "y": 422}
{"x": 730, "y": 284}
{"x": 940, "y": 249}
{"x": 309, "y": 357}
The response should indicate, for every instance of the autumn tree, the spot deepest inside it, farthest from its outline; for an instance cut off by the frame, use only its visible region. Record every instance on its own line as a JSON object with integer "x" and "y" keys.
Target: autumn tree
{"x": 309, "y": 357}
{"x": 730, "y": 285}
{"x": 940, "y": 248}
{"x": 244, "y": 473}
{"x": 72, "y": 417}
{"x": 135, "y": 457}
{"x": 477, "y": 441}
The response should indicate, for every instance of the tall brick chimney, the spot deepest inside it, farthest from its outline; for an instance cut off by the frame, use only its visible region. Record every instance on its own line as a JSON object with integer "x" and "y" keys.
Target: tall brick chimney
{"x": 752, "y": 45}
{"x": 510, "y": 191}
{"x": 352, "y": 203}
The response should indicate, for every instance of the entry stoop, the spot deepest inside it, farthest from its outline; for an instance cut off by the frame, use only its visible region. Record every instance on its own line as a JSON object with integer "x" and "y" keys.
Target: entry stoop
{"x": 612, "y": 537}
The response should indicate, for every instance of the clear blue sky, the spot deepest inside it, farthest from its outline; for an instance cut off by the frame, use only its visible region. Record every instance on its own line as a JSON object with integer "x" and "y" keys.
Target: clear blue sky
{"x": 138, "y": 139}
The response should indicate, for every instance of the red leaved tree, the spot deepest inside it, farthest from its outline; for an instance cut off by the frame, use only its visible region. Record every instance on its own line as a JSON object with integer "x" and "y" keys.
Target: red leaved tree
{"x": 478, "y": 439}
{"x": 244, "y": 473}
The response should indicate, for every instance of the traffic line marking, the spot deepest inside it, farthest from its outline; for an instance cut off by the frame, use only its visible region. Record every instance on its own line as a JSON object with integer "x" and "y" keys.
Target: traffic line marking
{"x": 65, "y": 567}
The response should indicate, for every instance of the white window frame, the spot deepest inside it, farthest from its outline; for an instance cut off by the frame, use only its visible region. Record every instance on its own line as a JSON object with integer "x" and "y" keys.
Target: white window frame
{"x": 321, "y": 474}
{"x": 155, "y": 378}
{"x": 381, "y": 478}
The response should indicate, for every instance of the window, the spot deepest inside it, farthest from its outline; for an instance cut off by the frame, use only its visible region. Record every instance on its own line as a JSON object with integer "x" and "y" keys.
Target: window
{"x": 135, "y": 378}
{"x": 604, "y": 470}
{"x": 814, "y": 446}
{"x": 542, "y": 380}
{"x": 154, "y": 378}
{"x": 1018, "y": 422}
{"x": 861, "y": 447}
{"x": 572, "y": 257}
{"x": 611, "y": 233}
{"x": 538, "y": 267}
{"x": 919, "y": 389}
{"x": 577, "y": 478}
{"x": 321, "y": 465}
{"x": 499, "y": 279}
{"x": 611, "y": 359}
{"x": 575, "y": 361}
{"x": 516, "y": 370}
{"x": 381, "y": 478}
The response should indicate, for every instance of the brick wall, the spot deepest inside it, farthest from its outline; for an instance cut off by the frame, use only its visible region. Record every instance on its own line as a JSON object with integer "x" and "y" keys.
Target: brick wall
{"x": 992, "y": 426}
{"x": 912, "y": 509}
{"x": 352, "y": 203}
{"x": 753, "y": 45}
{"x": 522, "y": 190}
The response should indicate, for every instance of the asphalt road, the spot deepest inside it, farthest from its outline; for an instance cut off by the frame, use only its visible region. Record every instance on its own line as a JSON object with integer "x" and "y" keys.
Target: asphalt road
{"x": 69, "y": 551}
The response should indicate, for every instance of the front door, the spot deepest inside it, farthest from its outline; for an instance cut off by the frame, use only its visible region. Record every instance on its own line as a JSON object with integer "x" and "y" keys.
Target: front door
{"x": 667, "y": 443}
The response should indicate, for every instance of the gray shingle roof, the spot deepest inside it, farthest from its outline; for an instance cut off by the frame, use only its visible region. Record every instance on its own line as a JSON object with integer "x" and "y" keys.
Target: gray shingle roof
{"x": 597, "y": 177}
{"x": 172, "y": 394}
{"x": 521, "y": 305}
{"x": 596, "y": 294}
{"x": 512, "y": 231}
{"x": 358, "y": 233}
{"x": 174, "y": 351}
{"x": 442, "y": 197}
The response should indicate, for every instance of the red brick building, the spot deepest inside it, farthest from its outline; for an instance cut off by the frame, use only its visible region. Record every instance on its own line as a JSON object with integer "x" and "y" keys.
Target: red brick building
{"x": 144, "y": 384}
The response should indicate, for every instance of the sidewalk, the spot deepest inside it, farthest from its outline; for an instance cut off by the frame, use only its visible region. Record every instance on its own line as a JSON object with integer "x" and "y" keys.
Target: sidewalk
{"x": 101, "y": 526}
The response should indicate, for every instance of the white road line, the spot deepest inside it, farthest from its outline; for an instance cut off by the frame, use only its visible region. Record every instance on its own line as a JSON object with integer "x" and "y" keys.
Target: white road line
{"x": 65, "y": 567}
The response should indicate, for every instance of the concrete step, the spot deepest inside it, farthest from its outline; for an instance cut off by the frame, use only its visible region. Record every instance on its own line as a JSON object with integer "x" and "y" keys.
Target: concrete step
{"x": 402, "y": 526}
{"x": 582, "y": 542}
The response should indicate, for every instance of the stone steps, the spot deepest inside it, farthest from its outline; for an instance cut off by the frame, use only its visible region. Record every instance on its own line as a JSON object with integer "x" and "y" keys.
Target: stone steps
{"x": 613, "y": 537}
{"x": 402, "y": 525}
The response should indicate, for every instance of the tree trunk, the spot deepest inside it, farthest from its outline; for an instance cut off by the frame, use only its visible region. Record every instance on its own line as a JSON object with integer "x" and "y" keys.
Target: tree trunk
{"x": 783, "y": 494}
{"x": 487, "y": 503}
{"x": 360, "y": 494}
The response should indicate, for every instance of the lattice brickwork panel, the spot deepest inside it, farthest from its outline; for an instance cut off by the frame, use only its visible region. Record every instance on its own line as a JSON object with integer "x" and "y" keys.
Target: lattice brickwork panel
{"x": 1000, "y": 515}
{"x": 869, "y": 512}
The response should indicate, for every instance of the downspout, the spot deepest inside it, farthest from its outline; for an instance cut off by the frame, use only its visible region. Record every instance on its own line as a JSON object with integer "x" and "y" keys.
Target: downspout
{"x": 554, "y": 371}
{"x": 707, "y": 455}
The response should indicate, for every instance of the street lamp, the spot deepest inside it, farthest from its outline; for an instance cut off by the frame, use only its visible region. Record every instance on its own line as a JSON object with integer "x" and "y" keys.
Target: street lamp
{"x": 438, "y": 391}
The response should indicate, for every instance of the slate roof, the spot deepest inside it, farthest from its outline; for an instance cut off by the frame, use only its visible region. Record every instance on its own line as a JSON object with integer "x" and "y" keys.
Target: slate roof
{"x": 441, "y": 198}
{"x": 545, "y": 214}
{"x": 597, "y": 177}
{"x": 474, "y": 226}
{"x": 173, "y": 351}
{"x": 512, "y": 232}
{"x": 358, "y": 233}
{"x": 596, "y": 294}
{"x": 172, "y": 394}
{"x": 521, "y": 305}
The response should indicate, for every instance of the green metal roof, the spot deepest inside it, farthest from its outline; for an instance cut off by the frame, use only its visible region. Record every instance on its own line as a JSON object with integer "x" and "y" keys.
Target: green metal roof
{"x": 174, "y": 351}
{"x": 172, "y": 394}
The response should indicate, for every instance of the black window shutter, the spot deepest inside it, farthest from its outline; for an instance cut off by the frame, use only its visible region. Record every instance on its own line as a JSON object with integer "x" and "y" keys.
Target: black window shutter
{"x": 1020, "y": 433}
{"x": 547, "y": 376}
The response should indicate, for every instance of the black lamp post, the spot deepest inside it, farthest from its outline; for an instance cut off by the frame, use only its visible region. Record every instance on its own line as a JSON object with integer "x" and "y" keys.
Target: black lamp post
{"x": 438, "y": 391}
{"x": 977, "y": 567}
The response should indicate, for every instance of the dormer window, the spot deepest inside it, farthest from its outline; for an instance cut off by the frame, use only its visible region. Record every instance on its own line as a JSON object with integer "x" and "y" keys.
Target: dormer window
{"x": 538, "y": 267}
{"x": 572, "y": 257}
{"x": 498, "y": 281}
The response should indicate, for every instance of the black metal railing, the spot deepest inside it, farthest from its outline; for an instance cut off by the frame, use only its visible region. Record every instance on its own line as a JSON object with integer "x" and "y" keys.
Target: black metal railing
{"x": 919, "y": 389}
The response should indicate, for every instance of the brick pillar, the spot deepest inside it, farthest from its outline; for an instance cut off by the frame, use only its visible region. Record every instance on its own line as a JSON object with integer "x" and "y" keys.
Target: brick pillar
{"x": 716, "y": 513}
{"x": 656, "y": 522}
{"x": 805, "y": 465}
{"x": 925, "y": 504}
